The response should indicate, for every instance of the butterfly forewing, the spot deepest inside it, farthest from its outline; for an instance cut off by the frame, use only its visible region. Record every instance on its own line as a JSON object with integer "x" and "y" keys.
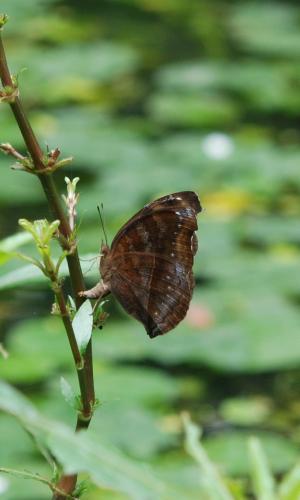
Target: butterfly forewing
{"x": 151, "y": 261}
{"x": 186, "y": 203}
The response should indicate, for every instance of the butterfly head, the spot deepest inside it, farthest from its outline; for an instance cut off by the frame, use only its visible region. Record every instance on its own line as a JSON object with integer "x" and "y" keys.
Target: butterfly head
{"x": 104, "y": 250}
{"x": 105, "y": 263}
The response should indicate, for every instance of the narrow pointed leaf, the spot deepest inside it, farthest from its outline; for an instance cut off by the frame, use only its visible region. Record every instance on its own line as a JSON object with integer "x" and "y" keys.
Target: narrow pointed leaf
{"x": 68, "y": 393}
{"x": 264, "y": 484}
{"x": 83, "y": 325}
{"x": 213, "y": 482}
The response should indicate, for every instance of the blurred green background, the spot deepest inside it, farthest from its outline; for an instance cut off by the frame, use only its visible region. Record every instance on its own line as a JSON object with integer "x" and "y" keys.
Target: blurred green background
{"x": 152, "y": 97}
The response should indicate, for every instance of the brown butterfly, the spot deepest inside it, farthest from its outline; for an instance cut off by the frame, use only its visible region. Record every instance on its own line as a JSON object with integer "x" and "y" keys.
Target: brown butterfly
{"x": 149, "y": 265}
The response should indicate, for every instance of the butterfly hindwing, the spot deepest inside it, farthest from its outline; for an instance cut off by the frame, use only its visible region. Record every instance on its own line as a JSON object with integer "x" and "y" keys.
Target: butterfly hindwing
{"x": 154, "y": 291}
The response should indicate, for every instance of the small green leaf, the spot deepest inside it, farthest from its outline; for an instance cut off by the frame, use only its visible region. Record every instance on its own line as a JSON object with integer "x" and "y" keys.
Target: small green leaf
{"x": 68, "y": 393}
{"x": 42, "y": 230}
{"x": 83, "y": 325}
{"x": 71, "y": 302}
{"x": 3, "y": 20}
{"x": 81, "y": 488}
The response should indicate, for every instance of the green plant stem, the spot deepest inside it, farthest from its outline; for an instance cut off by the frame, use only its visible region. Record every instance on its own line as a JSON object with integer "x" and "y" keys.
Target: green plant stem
{"x": 76, "y": 277}
{"x": 67, "y": 483}
{"x": 86, "y": 407}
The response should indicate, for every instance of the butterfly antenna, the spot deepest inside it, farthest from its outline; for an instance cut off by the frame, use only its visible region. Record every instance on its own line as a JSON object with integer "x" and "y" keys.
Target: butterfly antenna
{"x": 102, "y": 223}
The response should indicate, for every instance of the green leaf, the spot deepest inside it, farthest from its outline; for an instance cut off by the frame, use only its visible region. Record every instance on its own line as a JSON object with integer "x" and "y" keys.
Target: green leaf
{"x": 83, "y": 325}
{"x": 80, "y": 453}
{"x": 215, "y": 486}
{"x": 269, "y": 28}
{"x": 229, "y": 450}
{"x": 264, "y": 484}
{"x": 17, "y": 187}
{"x": 68, "y": 393}
{"x": 266, "y": 86}
{"x": 14, "y": 241}
{"x": 50, "y": 351}
{"x": 103, "y": 61}
{"x": 144, "y": 416}
{"x": 81, "y": 71}
{"x": 245, "y": 334}
{"x": 18, "y": 368}
{"x": 193, "y": 110}
{"x": 145, "y": 436}
{"x": 29, "y": 274}
{"x": 107, "y": 468}
{"x": 289, "y": 488}
{"x": 18, "y": 10}
{"x": 253, "y": 410}
{"x": 23, "y": 275}
{"x": 146, "y": 386}
{"x": 15, "y": 443}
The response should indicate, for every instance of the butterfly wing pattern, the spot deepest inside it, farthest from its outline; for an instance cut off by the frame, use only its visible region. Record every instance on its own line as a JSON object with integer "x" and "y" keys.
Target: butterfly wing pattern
{"x": 149, "y": 265}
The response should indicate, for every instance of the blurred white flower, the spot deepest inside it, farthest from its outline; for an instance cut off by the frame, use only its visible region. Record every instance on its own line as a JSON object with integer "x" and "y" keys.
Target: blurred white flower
{"x": 4, "y": 484}
{"x": 217, "y": 146}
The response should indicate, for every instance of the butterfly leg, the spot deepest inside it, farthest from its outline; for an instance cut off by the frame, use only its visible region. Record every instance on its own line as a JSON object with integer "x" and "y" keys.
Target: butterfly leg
{"x": 97, "y": 292}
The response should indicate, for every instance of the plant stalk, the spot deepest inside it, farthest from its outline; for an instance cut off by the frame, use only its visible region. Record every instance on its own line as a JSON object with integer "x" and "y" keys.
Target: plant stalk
{"x": 86, "y": 380}
{"x": 67, "y": 483}
{"x": 86, "y": 406}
